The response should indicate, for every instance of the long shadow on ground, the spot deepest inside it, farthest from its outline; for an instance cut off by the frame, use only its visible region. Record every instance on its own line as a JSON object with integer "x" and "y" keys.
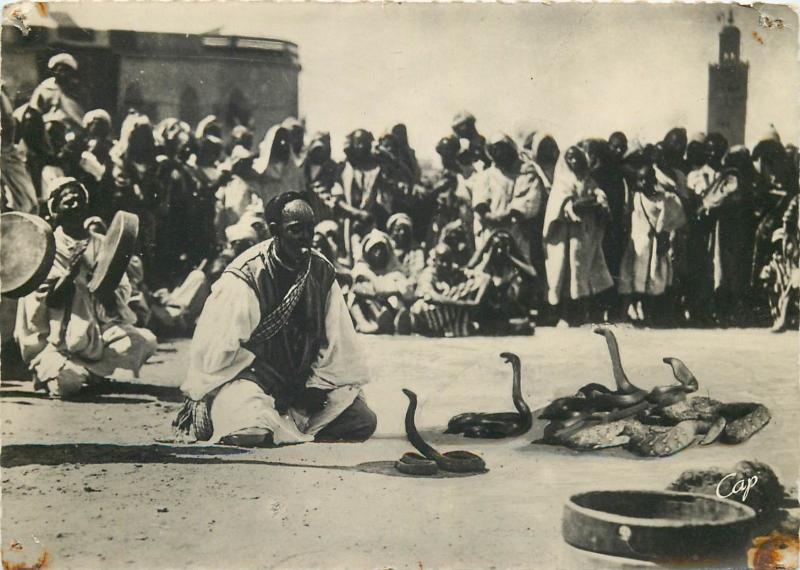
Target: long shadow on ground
{"x": 21, "y": 455}
{"x": 112, "y": 392}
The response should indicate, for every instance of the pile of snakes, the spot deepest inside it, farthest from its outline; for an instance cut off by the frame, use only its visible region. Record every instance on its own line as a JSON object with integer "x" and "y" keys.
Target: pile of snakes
{"x": 655, "y": 423}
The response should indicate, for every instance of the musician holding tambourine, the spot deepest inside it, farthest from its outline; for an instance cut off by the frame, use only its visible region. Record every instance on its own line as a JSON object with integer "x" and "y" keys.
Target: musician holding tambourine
{"x": 74, "y": 326}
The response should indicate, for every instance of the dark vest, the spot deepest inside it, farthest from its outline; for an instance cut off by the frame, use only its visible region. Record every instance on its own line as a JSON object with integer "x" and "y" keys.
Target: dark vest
{"x": 283, "y": 363}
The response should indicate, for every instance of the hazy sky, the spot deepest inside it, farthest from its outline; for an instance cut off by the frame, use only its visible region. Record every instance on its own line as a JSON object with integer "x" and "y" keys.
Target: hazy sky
{"x": 573, "y": 70}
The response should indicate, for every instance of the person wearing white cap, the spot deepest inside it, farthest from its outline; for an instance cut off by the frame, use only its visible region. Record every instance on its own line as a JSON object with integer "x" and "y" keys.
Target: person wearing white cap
{"x": 69, "y": 336}
{"x": 97, "y": 124}
{"x": 60, "y": 90}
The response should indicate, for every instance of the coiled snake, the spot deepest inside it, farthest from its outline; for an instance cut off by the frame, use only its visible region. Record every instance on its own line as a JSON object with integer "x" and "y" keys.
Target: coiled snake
{"x": 430, "y": 459}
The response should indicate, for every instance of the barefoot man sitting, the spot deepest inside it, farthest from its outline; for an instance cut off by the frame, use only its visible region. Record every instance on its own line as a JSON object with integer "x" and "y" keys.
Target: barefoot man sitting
{"x": 275, "y": 358}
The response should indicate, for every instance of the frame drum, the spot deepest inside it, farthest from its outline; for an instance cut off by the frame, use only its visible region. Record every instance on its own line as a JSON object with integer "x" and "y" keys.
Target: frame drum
{"x": 115, "y": 253}
{"x": 27, "y": 250}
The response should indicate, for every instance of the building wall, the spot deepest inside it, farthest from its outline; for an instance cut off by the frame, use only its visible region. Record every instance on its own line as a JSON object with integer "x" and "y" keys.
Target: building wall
{"x": 165, "y": 75}
{"x": 19, "y": 72}
{"x": 267, "y": 92}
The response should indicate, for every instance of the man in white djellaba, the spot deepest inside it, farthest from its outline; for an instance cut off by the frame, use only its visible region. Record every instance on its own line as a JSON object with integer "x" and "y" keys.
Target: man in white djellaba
{"x": 275, "y": 358}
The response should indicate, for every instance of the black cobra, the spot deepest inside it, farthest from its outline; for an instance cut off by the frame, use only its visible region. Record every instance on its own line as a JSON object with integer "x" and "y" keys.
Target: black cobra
{"x": 597, "y": 404}
{"x": 453, "y": 461}
{"x": 497, "y": 425}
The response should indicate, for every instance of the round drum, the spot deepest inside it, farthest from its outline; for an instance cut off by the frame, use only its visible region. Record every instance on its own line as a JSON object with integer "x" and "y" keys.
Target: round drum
{"x": 27, "y": 250}
{"x": 115, "y": 254}
{"x": 658, "y": 526}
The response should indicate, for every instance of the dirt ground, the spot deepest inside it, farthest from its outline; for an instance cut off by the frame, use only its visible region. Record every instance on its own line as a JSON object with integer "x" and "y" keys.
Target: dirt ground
{"x": 87, "y": 484}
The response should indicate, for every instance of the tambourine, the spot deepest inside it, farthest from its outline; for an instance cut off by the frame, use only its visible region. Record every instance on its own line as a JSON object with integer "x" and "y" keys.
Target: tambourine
{"x": 27, "y": 251}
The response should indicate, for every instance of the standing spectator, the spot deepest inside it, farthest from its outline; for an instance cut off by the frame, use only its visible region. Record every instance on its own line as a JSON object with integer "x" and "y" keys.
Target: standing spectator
{"x": 276, "y": 165}
{"x": 297, "y": 139}
{"x": 505, "y": 196}
{"x": 669, "y": 162}
{"x": 321, "y": 176}
{"x": 205, "y": 168}
{"x": 776, "y": 185}
{"x": 464, "y": 128}
{"x": 180, "y": 235}
{"x": 130, "y": 183}
{"x": 610, "y": 178}
{"x": 30, "y": 142}
{"x": 781, "y": 275}
{"x": 453, "y": 200}
{"x": 543, "y": 151}
{"x": 18, "y": 191}
{"x": 236, "y": 195}
{"x": 574, "y": 223}
{"x": 365, "y": 195}
{"x": 61, "y": 91}
{"x": 646, "y": 268}
{"x": 724, "y": 229}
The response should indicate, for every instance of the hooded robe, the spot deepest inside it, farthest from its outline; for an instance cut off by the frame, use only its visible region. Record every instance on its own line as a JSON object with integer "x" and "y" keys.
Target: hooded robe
{"x": 574, "y": 260}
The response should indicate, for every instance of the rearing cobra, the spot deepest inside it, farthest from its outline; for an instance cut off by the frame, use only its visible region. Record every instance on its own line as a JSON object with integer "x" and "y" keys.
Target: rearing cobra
{"x": 497, "y": 425}
{"x": 454, "y": 461}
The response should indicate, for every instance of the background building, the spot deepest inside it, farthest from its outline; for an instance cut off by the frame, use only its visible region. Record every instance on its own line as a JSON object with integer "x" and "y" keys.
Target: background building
{"x": 727, "y": 87}
{"x": 242, "y": 80}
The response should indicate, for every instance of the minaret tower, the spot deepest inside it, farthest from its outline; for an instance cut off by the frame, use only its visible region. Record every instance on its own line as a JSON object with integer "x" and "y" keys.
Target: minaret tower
{"x": 727, "y": 87}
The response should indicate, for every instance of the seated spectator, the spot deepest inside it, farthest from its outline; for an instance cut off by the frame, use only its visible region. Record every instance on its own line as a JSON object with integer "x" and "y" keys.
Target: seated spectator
{"x": 510, "y": 299}
{"x": 411, "y": 258}
{"x": 327, "y": 242}
{"x": 175, "y": 312}
{"x": 238, "y": 238}
{"x": 380, "y": 293}
{"x": 448, "y": 296}
{"x": 458, "y": 238}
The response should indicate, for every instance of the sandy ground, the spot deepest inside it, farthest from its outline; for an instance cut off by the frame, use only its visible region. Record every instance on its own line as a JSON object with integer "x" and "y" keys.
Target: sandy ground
{"x": 86, "y": 483}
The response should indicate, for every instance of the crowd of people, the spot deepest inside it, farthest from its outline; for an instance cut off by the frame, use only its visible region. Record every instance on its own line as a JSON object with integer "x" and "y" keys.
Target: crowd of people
{"x": 504, "y": 234}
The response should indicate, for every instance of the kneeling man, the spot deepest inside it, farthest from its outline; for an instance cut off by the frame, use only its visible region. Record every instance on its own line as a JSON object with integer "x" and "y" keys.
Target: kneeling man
{"x": 275, "y": 358}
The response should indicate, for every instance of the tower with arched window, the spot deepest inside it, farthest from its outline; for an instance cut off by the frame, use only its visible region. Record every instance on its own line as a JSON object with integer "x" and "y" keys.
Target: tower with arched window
{"x": 727, "y": 87}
